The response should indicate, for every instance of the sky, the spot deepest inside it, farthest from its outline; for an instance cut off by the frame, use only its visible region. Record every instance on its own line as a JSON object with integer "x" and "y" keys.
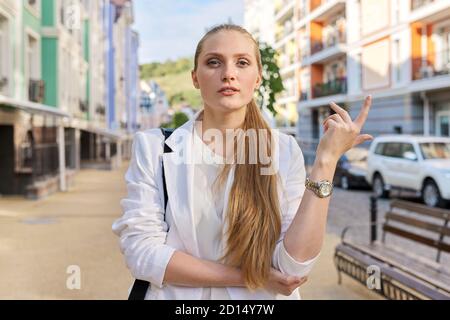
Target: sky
{"x": 170, "y": 29}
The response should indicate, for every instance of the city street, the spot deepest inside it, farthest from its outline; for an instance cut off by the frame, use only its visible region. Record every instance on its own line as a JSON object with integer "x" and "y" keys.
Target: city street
{"x": 41, "y": 239}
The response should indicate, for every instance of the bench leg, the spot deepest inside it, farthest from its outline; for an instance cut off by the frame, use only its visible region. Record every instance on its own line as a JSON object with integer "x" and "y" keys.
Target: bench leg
{"x": 339, "y": 277}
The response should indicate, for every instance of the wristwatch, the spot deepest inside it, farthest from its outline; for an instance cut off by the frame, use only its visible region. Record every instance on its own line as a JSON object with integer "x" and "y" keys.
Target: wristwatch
{"x": 322, "y": 189}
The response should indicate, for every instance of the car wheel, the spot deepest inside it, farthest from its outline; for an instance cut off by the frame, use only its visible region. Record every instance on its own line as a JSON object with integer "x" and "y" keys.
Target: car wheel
{"x": 344, "y": 183}
{"x": 378, "y": 187}
{"x": 431, "y": 195}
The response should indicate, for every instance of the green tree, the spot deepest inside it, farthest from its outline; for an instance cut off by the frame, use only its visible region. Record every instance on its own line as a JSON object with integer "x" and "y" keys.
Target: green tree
{"x": 179, "y": 118}
{"x": 271, "y": 81}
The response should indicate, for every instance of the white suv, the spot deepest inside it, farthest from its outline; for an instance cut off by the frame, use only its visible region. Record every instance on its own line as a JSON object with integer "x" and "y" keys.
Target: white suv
{"x": 415, "y": 163}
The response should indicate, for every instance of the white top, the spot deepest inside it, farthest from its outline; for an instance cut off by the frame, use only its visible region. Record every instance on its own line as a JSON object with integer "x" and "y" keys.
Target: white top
{"x": 149, "y": 235}
{"x": 209, "y": 220}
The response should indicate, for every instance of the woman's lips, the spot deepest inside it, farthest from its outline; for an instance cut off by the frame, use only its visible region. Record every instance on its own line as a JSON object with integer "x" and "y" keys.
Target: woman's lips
{"x": 228, "y": 92}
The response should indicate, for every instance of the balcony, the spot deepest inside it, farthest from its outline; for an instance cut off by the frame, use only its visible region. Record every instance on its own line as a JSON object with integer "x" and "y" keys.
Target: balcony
{"x": 430, "y": 70}
{"x": 429, "y": 11}
{"x": 284, "y": 31}
{"x": 416, "y": 4}
{"x": 100, "y": 109}
{"x": 337, "y": 86}
{"x": 36, "y": 90}
{"x": 303, "y": 95}
{"x": 302, "y": 13}
{"x": 83, "y": 105}
{"x": 283, "y": 7}
{"x": 324, "y": 51}
{"x": 327, "y": 9}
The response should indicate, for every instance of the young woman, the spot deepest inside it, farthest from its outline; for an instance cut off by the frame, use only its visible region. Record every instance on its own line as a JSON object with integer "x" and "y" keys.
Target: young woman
{"x": 231, "y": 230}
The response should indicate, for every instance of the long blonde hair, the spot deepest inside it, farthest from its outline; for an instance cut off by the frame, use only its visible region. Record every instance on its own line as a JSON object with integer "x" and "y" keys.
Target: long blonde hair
{"x": 253, "y": 210}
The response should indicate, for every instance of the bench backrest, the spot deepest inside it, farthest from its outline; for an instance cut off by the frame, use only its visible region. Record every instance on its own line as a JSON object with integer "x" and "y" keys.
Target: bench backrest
{"x": 408, "y": 220}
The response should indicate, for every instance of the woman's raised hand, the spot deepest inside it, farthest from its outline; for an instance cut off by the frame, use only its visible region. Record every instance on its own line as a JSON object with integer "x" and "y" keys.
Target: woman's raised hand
{"x": 341, "y": 133}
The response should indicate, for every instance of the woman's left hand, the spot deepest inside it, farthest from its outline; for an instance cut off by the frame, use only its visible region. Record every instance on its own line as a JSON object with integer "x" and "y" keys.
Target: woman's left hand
{"x": 341, "y": 133}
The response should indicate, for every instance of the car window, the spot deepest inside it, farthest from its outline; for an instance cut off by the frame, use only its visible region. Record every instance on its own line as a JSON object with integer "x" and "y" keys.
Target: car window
{"x": 407, "y": 147}
{"x": 435, "y": 150}
{"x": 393, "y": 149}
{"x": 379, "y": 148}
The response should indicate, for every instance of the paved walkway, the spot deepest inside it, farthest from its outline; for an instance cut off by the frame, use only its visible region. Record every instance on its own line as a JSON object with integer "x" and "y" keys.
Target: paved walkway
{"x": 39, "y": 240}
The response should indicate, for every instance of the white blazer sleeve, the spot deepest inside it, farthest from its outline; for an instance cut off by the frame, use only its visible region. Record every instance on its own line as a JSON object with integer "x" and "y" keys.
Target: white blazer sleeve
{"x": 295, "y": 188}
{"x": 142, "y": 229}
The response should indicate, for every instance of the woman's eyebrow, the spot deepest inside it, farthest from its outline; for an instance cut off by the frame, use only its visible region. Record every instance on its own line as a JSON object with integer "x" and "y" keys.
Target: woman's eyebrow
{"x": 221, "y": 55}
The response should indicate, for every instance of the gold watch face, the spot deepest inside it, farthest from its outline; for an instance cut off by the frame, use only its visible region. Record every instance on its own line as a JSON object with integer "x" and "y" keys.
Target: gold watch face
{"x": 325, "y": 189}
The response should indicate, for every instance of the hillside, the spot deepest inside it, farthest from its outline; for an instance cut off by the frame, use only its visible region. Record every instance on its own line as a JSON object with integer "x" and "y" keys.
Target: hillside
{"x": 174, "y": 77}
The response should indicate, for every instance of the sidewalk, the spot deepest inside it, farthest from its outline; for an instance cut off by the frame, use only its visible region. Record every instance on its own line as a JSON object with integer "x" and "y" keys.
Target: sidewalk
{"x": 40, "y": 239}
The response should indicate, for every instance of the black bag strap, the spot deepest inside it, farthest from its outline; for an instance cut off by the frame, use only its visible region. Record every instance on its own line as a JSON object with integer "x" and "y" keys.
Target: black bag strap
{"x": 140, "y": 287}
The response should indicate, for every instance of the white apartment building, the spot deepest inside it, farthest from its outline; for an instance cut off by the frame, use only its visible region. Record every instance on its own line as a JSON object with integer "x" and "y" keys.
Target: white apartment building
{"x": 343, "y": 50}
{"x": 96, "y": 60}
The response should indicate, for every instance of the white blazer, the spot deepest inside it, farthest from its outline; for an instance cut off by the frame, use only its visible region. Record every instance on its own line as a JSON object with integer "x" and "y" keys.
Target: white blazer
{"x": 148, "y": 239}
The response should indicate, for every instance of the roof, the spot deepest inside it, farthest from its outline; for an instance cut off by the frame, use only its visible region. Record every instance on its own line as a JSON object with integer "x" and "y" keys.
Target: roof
{"x": 411, "y": 137}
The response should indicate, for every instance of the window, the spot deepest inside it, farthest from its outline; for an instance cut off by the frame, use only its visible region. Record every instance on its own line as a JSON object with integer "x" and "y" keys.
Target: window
{"x": 435, "y": 150}
{"x": 32, "y": 57}
{"x": 358, "y": 72}
{"x": 379, "y": 148}
{"x": 34, "y": 84}
{"x": 396, "y": 18}
{"x": 393, "y": 149}
{"x": 407, "y": 147}
{"x": 34, "y": 6}
{"x": 444, "y": 35}
{"x": 359, "y": 15}
{"x": 397, "y": 62}
{"x": 4, "y": 45}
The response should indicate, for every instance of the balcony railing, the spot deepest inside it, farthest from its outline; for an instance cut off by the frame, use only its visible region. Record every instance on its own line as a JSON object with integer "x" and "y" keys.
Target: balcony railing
{"x": 286, "y": 29}
{"x": 282, "y": 5}
{"x": 332, "y": 39}
{"x": 331, "y": 87}
{"x": 36, "y": 90}
{"x": 3, "y": 82}
{"x": 100, "y": 109}
{"x": 429, "y": 70}
{"x": 83, "y": 106}
{"x": 303, "y": 96}
{"x": 417, "y": 4}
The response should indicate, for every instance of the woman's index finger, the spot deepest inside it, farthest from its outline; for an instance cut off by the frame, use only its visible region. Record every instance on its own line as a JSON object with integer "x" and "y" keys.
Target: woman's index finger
{"x": 362, "y": 116}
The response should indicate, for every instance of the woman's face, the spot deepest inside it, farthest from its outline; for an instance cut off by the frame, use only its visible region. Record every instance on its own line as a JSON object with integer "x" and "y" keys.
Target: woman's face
{"x": 227, "y": 71}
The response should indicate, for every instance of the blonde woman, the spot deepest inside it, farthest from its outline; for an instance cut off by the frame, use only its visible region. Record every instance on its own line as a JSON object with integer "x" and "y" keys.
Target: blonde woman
{"x": 232, "y": 229}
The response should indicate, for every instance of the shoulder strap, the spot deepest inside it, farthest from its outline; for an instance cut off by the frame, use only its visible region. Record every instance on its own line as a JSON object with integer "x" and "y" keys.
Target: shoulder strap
{"x": 166, "y": 132}
{"x": 140, "y": 287}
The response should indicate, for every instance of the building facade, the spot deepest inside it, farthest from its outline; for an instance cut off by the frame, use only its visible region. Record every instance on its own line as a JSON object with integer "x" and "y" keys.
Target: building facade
{"x": 54, "y": 91}
{"x": 343, "y": 50}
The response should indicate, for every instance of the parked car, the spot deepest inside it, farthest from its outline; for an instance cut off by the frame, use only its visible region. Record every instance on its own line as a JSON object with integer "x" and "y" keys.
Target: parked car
{"x": 351, "y": 169}
{"x": 414, "y": 163}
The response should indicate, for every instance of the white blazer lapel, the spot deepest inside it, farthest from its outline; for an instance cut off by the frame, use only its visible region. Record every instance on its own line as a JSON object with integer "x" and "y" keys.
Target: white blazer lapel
{"x": 178, "y": 170}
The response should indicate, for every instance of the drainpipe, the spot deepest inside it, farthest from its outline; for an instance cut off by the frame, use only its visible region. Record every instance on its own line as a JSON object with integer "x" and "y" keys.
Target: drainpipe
{"x": 426, "y": 113}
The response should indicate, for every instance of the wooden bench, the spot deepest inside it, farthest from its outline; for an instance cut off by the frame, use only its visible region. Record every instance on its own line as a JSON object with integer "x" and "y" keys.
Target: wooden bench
{"x": 403, "y": 274}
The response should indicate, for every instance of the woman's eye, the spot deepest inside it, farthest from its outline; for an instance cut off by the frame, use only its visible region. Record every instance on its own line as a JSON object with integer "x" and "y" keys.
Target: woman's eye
{"x": 243, "y": 62}
{"x": 213, "y": 62}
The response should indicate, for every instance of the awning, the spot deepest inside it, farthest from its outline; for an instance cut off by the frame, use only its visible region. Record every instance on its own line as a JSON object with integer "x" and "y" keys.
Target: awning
{"x": 106, "y": 133}
{"x": 33, "y": 107}
{"x": 83, "y": 124}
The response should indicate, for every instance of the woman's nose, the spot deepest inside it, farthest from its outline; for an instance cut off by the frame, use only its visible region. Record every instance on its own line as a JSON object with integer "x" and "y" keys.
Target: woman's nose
{"x": 229, "y": 72}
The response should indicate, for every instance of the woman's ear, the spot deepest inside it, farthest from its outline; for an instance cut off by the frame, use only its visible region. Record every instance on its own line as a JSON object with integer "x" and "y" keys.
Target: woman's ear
{"x": 258, "y": 82}
{"x": 194, "y": 79}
